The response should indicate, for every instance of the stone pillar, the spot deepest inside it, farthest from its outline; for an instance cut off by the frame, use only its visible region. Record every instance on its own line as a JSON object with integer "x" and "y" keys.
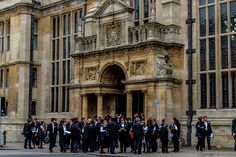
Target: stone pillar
{"x": 129, "y": 105}
{"x": 100, "y": 105}
{"x": 85, "y": 106}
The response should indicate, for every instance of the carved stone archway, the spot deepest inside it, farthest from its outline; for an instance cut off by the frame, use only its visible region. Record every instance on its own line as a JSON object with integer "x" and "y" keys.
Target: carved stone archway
{"x": 115, "y": 71}
{"x": 114, "y": 76}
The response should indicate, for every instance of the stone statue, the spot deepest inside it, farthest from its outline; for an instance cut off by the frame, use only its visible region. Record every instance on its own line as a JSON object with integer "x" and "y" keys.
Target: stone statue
{"x": 153, "y": 11}
{"x": 163, "y": 67}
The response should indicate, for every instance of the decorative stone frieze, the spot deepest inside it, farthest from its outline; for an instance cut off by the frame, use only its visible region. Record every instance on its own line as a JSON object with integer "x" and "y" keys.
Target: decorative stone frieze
{"x": 137, "y": 68}
{"x": 90, "y": 73}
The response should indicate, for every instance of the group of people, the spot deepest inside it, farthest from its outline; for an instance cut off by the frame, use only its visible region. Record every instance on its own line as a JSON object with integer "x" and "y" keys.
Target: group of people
{"x": 97, "y": 134}
{"x": 203, "y": 133}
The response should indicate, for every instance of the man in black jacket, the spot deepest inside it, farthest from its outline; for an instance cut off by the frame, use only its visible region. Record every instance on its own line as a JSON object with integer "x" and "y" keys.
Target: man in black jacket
{"x": 75, "y": 136}
{"x": 112, "y": 130}
{"x": 62, "y": 135}
{"x": 138, "y": 135}
{"x": 52, "y": 129}
{"x": 208, "y": 132}
{"x": 234, "y": 132}
{"x": 164, "y": 136}
{"x": 27, "y": 133}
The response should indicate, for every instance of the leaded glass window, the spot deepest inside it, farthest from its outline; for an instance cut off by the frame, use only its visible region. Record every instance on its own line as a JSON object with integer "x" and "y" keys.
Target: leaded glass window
{"x": 233, "y": 50}
{"x": 225, "y": 90}
{"x": 212, "y": 54}
{"x": 136, "y": 9}
{"x": 224, "y": 52}
{"x": 203, "y": 91}
{"x": 212, "y": 82}
{"x": 217, "y": 58}
{"x": 233, "y": 16}
{"x": 224, "y": 18}
{"x": 146, "y": 8}
{"x": 61, "y": 61}
{"x": 203, "y": 54}
{"x": 211, "y": 20}
{"x": 233, "y": 77}
{"x": 202, "y": 15}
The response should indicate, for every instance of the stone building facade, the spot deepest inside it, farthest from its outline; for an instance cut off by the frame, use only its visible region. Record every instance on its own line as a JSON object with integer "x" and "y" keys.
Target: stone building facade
{"x": 90, "y": 57}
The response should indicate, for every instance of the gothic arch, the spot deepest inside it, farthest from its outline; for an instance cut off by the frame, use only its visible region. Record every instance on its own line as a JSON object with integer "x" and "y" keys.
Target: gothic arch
{"x": 113, "y": 72}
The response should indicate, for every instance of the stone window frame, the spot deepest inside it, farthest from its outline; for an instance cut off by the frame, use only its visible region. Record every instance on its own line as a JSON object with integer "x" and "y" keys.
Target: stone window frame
{"x": 219, "y": 72}
{"x": 63, "y": 38}
{"x": 35, "y": 33}
{"x": 141, "y": 20}
{"x": 55, "y": 63}
{"x": 5, "y": 36}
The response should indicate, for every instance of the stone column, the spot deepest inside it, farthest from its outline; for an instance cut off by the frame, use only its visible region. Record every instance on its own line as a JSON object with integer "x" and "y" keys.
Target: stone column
{"x": 85, "y": 106}
{"x": 129, "y": 104}
{"x": 100, "y": 105}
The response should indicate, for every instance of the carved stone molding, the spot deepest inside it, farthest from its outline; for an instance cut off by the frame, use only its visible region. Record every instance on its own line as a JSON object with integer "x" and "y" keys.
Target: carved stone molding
{"x": 137, "y": 68}
{"x": 90, "y": 73}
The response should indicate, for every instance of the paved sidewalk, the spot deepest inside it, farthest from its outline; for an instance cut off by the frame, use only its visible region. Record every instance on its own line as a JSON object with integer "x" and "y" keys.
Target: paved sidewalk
{"x": 16, "y": 149}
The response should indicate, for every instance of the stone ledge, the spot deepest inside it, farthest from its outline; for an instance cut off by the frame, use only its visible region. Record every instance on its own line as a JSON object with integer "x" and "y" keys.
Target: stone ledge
{"x": 164, "y": 2}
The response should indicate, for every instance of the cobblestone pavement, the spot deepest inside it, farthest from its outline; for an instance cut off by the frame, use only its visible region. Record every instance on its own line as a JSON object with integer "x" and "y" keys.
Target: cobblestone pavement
{"x": 16, "y": 150}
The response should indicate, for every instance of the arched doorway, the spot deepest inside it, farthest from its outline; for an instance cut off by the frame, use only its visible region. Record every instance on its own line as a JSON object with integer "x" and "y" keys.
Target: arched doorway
{"x": 113, "y": 77}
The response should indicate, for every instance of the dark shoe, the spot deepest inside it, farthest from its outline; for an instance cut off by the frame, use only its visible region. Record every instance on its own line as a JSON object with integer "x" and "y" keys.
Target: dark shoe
{"x": 50, "y": 150}
{"x": 26, "y": 147}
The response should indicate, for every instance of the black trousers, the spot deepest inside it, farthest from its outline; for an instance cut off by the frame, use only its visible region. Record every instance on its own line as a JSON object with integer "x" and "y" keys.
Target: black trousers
{"x": 112, "y": 145}
{"x": 102, "y": 143}
{"x": 123, "y": 144}
{"x": 208, "y": 139}
{"x": 234, "y": 143}
{"x": 85, "y": 145}
{"x": 200, "y": 143}
{"x": 74, "y": 144}
{"x": 176, "y": 144}
{"x": 52, "y": 141}
{"x": 62, "y": 143}
{"x": 28, "y": 139}
{"x": 164, "y": 145}
{"x": 148, "y": 143}
{"x": 154, "y": 143}
{"x": 137, "y": 145}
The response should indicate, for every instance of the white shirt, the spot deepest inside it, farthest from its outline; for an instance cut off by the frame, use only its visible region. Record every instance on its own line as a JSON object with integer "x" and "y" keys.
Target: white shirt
{"x": 206, "y": 124}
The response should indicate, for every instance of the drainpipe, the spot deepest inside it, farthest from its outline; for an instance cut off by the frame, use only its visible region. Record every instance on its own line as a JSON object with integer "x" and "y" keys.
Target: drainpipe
{"x": 190, "y": 80}
{"x": 31, "y": 68}
{"x": 84, "y": 14}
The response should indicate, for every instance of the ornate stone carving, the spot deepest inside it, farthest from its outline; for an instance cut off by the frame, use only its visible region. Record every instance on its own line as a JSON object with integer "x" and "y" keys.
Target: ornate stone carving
{"x": 162, "y": 66}
{"x": 137, "y": 68}
{"x": 90, "y": 73}
{"x": 113, "y": 32}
